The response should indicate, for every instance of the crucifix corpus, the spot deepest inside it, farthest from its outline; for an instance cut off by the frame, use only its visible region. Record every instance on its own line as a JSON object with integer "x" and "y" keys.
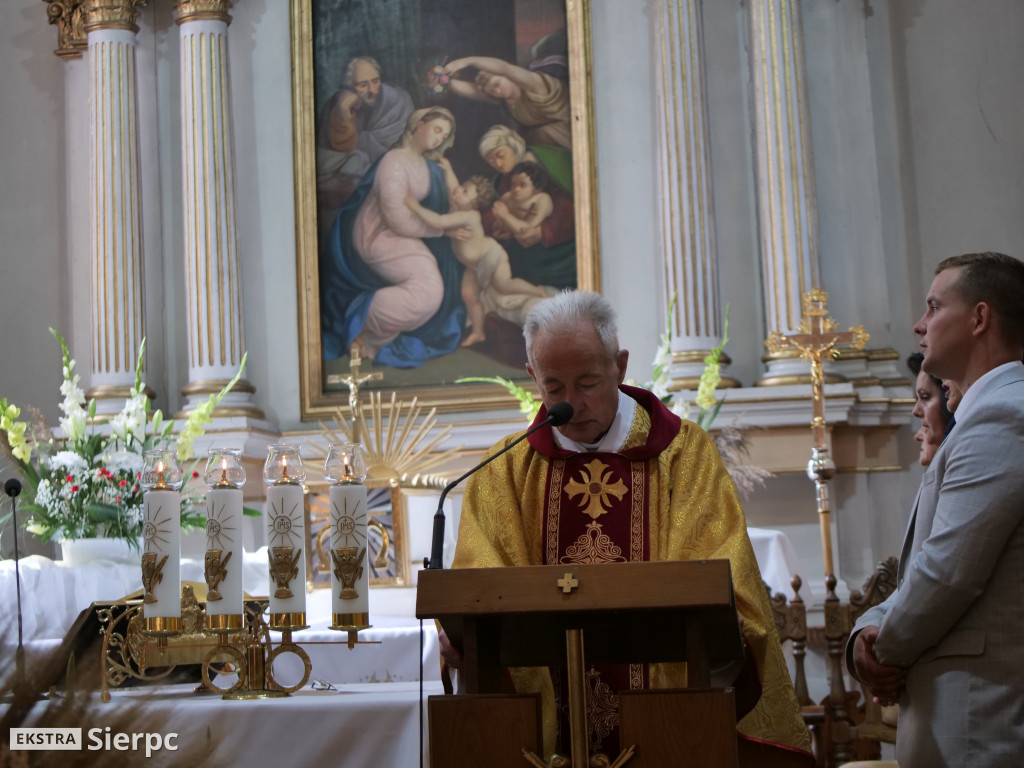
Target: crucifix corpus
{"x": 816, "y": 338}
{"x": 352, "y": 381}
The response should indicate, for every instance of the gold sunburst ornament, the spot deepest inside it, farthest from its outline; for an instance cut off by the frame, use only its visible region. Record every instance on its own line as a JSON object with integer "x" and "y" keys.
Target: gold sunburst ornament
{"x": 395, "y": 436}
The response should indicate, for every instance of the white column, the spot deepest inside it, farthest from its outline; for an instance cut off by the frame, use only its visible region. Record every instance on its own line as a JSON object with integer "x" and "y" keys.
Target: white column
{"x": 212, "y": 268}
{"x": 787, "y": 208}
{"x": 687, "y": 208}
{"x": 115, "y": 236}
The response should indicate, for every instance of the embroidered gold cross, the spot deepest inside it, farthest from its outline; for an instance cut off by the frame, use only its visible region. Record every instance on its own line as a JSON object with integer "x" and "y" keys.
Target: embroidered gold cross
{"x": 595, "y": 488}
{"x": 568, "y": 582}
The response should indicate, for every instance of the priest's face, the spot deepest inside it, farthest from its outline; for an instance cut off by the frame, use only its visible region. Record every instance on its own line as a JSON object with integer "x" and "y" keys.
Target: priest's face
{"x": 577, "y": 367}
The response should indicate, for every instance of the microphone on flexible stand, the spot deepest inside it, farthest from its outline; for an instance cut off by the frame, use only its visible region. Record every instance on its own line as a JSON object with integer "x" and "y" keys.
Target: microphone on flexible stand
{"x": 558, "y": 414}
{"x": 13, "y": 488}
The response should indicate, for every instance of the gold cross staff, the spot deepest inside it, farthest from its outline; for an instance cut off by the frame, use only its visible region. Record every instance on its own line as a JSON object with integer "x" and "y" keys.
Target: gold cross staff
{"x": 352, "y": 381}
{"x": 816, "y": 338}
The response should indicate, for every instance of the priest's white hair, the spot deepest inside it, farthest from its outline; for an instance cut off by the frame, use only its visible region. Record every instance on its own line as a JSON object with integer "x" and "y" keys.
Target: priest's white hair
{"x": 568, "y": 310}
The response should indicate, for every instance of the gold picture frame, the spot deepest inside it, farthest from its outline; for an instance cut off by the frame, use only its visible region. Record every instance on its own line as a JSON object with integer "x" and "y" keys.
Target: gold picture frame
{"x": 320, "y": 389}
{"x": 388, "y": 540}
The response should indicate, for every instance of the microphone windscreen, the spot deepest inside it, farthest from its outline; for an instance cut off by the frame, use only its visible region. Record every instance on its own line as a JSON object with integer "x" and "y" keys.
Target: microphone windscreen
{"x": 559, "y": 413}
{"x": 12, "y": 487}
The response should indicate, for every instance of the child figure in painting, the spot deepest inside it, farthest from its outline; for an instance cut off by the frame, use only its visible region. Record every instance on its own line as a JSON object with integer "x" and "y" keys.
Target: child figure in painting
{"x": 487, "y": 284}
{"x": 527, "y": 203}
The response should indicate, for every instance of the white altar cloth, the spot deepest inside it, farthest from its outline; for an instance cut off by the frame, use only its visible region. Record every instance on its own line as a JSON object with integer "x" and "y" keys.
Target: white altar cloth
{"x": 54, "y": 593}
{"x": 356, "y": 726}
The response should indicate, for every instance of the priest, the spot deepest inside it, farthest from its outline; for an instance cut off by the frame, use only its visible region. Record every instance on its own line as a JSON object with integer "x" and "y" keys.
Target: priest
{"x": 623, "y": 480}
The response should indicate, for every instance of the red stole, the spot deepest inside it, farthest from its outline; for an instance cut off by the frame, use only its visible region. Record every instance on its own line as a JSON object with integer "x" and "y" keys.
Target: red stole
{"x": 596, "y": 512}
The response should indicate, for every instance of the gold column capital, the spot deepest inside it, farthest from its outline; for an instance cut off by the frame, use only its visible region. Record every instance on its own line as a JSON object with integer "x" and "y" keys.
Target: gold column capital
{"x": 111, "y": 14}
{"x": 67, "y": 16}
{"x": 196, "y": 10}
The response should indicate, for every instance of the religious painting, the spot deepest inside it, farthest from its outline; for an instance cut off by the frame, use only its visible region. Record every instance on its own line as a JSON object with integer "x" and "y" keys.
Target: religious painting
{"x": 387, "y": 551}
{"x": 445, "y": 183}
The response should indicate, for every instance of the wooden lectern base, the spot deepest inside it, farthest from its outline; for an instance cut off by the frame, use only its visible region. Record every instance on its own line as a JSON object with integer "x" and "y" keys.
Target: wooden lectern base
{"x": 474, "y": 730}
{"x": 679, "y": 727}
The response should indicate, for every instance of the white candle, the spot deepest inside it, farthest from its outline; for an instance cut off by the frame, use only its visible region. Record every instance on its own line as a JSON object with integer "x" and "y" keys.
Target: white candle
{"x": 161, "y": 559}
{"x": 286, "y": 552}
{"x": 223, "y": 565}
{"x": 350, "y": 572}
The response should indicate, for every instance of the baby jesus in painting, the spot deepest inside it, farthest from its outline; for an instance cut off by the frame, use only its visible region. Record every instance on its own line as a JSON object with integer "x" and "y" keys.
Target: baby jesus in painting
{"x": 487, "y": 283}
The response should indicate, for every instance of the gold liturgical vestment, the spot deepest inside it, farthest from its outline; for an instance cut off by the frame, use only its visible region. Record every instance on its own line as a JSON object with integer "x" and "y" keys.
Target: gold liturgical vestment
{"x": 665, "y": 495}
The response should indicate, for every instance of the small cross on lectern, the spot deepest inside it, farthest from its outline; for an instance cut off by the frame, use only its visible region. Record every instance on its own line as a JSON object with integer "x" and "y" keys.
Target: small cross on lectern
{"x": 352, "y": 381}
{"x": 568, "y": 583}
{"x": 816, "y": 337}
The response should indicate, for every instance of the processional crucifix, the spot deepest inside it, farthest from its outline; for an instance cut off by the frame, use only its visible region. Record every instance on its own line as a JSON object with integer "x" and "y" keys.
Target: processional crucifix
{"x": 816, "y": 338}
{"x": 352, "y": 381}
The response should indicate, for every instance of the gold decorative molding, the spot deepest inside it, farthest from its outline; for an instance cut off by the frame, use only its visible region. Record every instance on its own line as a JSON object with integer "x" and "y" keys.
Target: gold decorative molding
{"x": 67, "y": 16}
{"x": 212, "y": 386}
{"x": 111, "y": 14}
{"x": 197, "y": 10}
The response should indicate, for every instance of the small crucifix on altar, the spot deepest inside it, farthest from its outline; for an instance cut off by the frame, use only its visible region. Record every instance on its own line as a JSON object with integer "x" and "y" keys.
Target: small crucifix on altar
{"x": 352, "y": 381}
{"x": 816, "y": 338}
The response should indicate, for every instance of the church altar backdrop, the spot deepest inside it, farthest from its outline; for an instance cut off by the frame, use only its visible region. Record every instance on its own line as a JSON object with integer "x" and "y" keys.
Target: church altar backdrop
{"x": 898, "y": 130}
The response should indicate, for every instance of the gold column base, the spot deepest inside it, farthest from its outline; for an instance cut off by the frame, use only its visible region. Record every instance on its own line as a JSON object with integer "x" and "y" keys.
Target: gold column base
{"x": 211, "y": 387}
{"x": 288, "y": 621}
{"x": 693, "y": 382}
{"x": 224, "y": 622}
{"x": 118, "y": 392}
{"x": 162, "y": 625}
{"x": 796, "y": 378}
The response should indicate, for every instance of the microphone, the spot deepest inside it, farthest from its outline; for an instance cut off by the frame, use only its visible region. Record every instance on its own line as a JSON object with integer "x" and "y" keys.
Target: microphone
{"x": 12, "y": 488}
{"x": 558, "y": 414}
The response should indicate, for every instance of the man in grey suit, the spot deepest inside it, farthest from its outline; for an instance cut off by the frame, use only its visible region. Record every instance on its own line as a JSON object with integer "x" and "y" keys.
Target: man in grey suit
{"x": 948, "y": 644}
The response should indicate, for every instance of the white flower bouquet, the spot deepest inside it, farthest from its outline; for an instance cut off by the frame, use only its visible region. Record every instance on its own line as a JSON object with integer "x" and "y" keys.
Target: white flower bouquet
{"x": 87, "y": 484}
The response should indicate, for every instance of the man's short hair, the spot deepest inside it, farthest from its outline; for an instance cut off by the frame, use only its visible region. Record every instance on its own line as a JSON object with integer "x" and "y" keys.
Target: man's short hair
{"x": 997, "y": 280}
{"x": 566, "y": 311}
{"x": 350, "y": 68}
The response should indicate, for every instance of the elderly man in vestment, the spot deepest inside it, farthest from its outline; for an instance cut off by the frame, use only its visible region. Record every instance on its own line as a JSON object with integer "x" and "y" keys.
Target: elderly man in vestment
{"x": 624, "y": 480}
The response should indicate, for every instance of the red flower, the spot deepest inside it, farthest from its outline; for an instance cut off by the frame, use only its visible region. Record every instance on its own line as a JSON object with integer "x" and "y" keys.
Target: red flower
{"x": 69, "y": 478}
{"x": 194, "y": 474}
{"x": 135, "y": 488}
{"x": 74, "y": 489}
{"x": 118, "y": 497}
{"x": 123, "y": 483}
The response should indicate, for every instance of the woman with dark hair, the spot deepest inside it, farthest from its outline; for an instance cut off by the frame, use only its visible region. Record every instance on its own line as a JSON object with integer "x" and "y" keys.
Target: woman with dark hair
{"x": 930, "y": 408}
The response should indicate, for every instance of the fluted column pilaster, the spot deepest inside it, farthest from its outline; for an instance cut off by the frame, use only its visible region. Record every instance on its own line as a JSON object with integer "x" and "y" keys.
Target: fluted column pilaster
{"x": 118, "y": 323}
{"x": 787, "y": 206}
{"x": 687, "y": 209}
{"x": 216, "y": 341}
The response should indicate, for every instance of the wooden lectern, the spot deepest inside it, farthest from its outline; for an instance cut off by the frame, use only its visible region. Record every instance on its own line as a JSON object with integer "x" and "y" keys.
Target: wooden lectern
{"x": 629, "y": 613}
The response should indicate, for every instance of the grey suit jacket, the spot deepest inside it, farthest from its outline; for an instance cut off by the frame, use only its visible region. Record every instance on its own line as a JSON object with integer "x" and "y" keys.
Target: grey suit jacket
{"x": 957, "y": 619}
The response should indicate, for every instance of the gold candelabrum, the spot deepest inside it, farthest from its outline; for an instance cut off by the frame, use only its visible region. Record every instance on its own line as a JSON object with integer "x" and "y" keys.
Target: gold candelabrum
{"x": 246, "y": 654}
{"x": 816, "y": 339}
